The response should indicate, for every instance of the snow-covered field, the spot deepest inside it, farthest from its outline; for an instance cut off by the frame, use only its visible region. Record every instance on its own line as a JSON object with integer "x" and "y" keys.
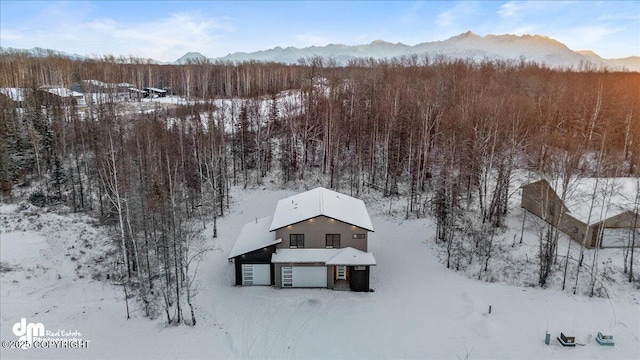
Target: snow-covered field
{"x": 419, "y": 309}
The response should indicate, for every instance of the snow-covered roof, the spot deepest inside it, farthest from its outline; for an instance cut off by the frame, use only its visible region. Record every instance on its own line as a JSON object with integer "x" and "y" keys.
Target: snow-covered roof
{"x": 317, "y": 202}
{"x": 351, "y": 256}
{"x": 254, "y": 235}
{"x": 95, "y": 82}
{"x": 99, "y": 83}
{"x": 613, "y": 196}
{"x": 15, "y": 94}
{"x": 156, "y": 90}
{"x": 62, "y": 92}
{"x": 345, "y": 256}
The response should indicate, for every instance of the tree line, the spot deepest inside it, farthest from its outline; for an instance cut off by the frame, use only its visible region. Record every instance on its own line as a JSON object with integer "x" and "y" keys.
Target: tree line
{"x": 444, "y": 135}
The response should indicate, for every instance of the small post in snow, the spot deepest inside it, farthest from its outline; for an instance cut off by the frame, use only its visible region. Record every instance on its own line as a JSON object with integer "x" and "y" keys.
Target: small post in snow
{"x": 489, "y": 309}
{"x": 547, "y": 336}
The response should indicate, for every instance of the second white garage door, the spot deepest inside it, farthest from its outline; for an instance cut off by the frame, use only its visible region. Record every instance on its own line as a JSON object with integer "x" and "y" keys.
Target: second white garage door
{"x": 304, "y": 276}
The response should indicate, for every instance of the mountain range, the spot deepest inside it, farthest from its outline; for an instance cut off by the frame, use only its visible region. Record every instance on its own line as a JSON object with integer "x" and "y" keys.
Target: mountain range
{"x": 41, "y": 52}
{"x": 466, "y": 46}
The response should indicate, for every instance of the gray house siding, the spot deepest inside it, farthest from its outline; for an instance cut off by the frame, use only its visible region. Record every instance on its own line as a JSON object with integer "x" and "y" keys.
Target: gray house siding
{"x": 573, "y": 228}
{"x": 315, "y": 231}
{"x": 540, "y": 199}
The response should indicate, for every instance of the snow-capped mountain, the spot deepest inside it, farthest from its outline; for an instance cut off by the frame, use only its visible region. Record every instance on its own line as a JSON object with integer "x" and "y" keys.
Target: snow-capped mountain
{"x": 40, "y": 52}
{"x": 467, "y": 46}
{"x": 190, "y": 57}
{"x": 536, "y": 48}
{"x": 631, "y": 63}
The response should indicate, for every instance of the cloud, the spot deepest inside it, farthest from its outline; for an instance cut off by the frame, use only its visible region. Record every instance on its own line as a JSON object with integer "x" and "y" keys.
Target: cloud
{"x": 513, "y": 9}
{"x": 11, "y": 35}
{"x": 509, "y": 9}
{"x": 584, "y": 37}
{"x": 444, "y": 18}
{"x": 163, "y": 39}
{"x": 461, "y": 15}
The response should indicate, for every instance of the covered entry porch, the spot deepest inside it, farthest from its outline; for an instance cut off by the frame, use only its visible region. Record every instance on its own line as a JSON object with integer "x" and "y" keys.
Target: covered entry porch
{"x": 338, "y": 269}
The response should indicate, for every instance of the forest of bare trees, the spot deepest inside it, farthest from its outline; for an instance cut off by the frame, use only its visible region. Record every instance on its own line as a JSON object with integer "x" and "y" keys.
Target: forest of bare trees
{"x": 446, "y": 136}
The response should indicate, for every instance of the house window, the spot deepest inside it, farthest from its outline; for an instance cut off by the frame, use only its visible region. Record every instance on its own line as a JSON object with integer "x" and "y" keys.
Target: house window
{"x": 333, "y": 241}
{"x": 296, "y": 241}
{"x": 358, "y": 236}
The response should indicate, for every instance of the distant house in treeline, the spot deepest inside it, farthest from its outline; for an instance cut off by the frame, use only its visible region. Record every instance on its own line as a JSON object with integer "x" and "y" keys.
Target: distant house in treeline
{"x": 137, "y": 94}
{"x": 612, "y": 229}
{"x": 97, "y": 86}
{"x": 101, "y": 92}
{"x": 61, "y": 94}
{"x": 155, "y": 92}
{"x": 12, "y": 97}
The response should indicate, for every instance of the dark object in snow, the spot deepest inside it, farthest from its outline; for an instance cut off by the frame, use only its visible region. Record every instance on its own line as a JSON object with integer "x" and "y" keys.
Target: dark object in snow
{"x": 547, "y": 338}
{"x": 38, "y": 199}
{"x": 566, "y": 340}
{"x": 604, "y": 340}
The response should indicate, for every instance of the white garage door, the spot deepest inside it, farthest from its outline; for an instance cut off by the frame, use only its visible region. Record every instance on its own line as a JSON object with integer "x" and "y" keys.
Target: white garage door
{"x": 616, "y": 237}
{"x": 304, "y": 276}
{"x": 256, "y": 274}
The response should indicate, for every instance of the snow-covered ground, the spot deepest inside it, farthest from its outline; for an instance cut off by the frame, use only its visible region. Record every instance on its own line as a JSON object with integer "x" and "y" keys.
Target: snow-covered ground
{"x": 419, "y": 309}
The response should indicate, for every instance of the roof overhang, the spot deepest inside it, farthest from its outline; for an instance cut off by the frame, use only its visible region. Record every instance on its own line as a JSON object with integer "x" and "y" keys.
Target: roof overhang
{"x": 254, "y": 236}
{"x": 345, "y": 256}
{"x": 351, "y": 256}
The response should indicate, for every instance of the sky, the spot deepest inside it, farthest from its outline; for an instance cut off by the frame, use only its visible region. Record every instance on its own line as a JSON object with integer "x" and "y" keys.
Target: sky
{"x": 166, "y": 30}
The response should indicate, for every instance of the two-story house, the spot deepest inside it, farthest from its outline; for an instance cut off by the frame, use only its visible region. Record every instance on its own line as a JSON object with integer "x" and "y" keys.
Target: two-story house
{"x": 314, "y": 239}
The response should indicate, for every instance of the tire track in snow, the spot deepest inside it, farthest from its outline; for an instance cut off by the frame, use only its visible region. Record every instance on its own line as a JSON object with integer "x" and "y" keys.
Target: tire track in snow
{"x": 304, "y": 325}
{"x": 276, "y": 331}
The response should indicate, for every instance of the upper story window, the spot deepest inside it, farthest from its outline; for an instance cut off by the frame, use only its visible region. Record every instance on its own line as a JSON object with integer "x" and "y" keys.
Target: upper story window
{"x": 333, "y": 241}
{"x": 296, "y": 241}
